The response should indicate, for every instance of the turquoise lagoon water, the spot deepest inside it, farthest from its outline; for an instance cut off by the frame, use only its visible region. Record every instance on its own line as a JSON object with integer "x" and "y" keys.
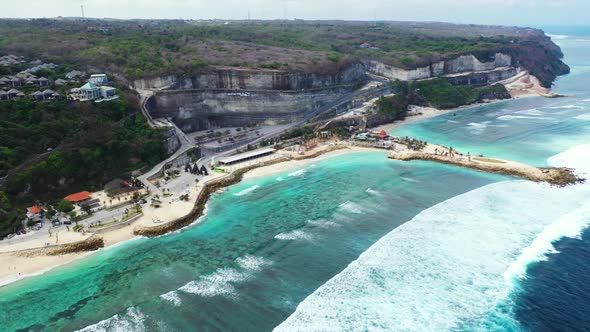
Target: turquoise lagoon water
{"x": 357, "y": 242}
{"x": 264, "y": 245}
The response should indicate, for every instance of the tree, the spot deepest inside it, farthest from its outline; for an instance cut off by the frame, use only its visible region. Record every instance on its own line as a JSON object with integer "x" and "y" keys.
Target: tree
{"x": 65, "y": 206}
{"x": 50, "y": 214}
{"x": 73, "y": 216}
{"x": 4, "y": 202}
{"x": 87, "y": 209}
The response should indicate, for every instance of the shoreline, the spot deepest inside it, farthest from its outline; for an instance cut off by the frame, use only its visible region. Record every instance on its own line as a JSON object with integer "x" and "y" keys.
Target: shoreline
{"x": 39, "y": 264}
{"x": 425, "y": 113}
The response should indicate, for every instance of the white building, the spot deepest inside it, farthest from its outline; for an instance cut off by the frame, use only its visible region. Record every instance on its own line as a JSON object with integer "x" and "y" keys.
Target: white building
{"x": 99, "y": 79}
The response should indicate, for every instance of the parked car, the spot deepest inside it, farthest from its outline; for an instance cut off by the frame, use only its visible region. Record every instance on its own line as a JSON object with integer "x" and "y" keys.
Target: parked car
{"x": 55, "y": 222}
{"x": 67, "y": 222}
{"x": 142, "y": 201}
{"x": 10, "y": 236}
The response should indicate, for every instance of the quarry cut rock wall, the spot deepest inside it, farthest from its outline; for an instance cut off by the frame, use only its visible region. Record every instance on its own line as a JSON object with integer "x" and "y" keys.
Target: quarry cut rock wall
{"x": 465, "y": 64}
{"x": 194, "y": 110}
{"x": 232, "y": 97}
{"x": 255, "y": 79}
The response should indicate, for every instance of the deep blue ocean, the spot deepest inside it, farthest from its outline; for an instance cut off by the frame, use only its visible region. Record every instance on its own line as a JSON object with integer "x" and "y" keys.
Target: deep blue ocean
{"x": 362, "y": 243}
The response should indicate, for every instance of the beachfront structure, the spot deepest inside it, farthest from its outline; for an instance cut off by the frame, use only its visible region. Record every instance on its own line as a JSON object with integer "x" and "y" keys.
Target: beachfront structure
{"x": 99, "y": 79}
{"x": 82, "y": 199}
{"x": 79, "y": 198}
{"x": 34, "y": 212}
{"x": 242, "y": 157}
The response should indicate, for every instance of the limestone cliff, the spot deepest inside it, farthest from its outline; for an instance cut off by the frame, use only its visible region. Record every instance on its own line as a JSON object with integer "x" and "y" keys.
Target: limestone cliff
{"x": 462, "y": 65}
{"x": 231, "y": 78}
{"x": 195, "y": 110}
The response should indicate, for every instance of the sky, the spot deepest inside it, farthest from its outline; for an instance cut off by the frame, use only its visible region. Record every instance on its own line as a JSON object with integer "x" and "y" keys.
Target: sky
{"x": 505, "y": 12}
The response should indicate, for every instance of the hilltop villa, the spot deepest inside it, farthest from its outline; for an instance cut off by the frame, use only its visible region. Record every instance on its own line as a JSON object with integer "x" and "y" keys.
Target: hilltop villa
{"x": 92, "y": 91}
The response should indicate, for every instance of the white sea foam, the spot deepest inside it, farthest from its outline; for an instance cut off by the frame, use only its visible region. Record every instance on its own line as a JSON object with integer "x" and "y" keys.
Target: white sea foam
{"x": 296, "y": 234}
{"x": 407, "y": 179}
{"x": 247, "y": 190}
{"x": 253, "y": 263}
{"x": 280, "y": 179}
{"x": 323, "y": 223}
{"x": 222, "y": 281}
{"x": 586, "y": 100}
{"x": 477, "y": 127}
{"x": 373, "y": 192}
{"x": 298, "y": 173}
{"x": 132, "y": 320}
{"x": 571, "y": 225}
{"x": 449, "y": 264}
{"x": 217, "y": 284}
{"x": 585, "y": 117}
{"x": 557, "y": 37}
{"x": 172, "y": 297}
{"x": 514, "y": 117}
{"x": 566, "y": 107}
{"x": 351, "y": 207}
{"x": 532, "y": 111}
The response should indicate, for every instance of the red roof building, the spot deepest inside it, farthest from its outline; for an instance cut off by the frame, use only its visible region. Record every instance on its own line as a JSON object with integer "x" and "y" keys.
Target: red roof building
{"x": 78, "y": 197}
{"x": 35, "y": 209}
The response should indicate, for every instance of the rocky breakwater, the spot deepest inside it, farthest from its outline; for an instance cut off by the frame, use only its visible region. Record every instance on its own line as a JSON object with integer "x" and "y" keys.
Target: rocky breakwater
{"x": 90, "y": 244}
{"x": 231, "y": 97}
{"x": 557, "y": 176}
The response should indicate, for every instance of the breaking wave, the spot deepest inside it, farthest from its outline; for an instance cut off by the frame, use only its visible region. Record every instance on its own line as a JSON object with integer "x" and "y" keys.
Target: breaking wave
{"x": 514, "y": 117}
{"x": 132, "y": 320}
{"x": 323, "y": 223}
{"x": 222, "y": 281}
{"x": 557, "y": 37}
{"x": 407, "y": 179}
{"x": 351, "y": 207}
{"x": 298, "y": 173}
{"x": 477, "y": 127}
{"x": 373, "y": 192}
{"x": 297, "y": 234}
{"x": 452, "y": 264}
{"x": 247, "y": 191}
{"x": 532, "y": 111}
{"x": 565, "y": 107}
{"x": 585, "y": 117}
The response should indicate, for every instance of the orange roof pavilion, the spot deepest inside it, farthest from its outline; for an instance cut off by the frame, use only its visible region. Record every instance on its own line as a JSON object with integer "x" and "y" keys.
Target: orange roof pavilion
{"x": 78, "y": 197}
{"x": 35, "y": 209}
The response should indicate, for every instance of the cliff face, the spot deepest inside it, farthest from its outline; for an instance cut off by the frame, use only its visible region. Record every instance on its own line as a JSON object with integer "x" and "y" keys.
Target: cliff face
{"x": 463, "y": 70}
{"x": 195, "y": 110}
{"x": 227, "y": 96}
{"x": 256, "y": 79}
